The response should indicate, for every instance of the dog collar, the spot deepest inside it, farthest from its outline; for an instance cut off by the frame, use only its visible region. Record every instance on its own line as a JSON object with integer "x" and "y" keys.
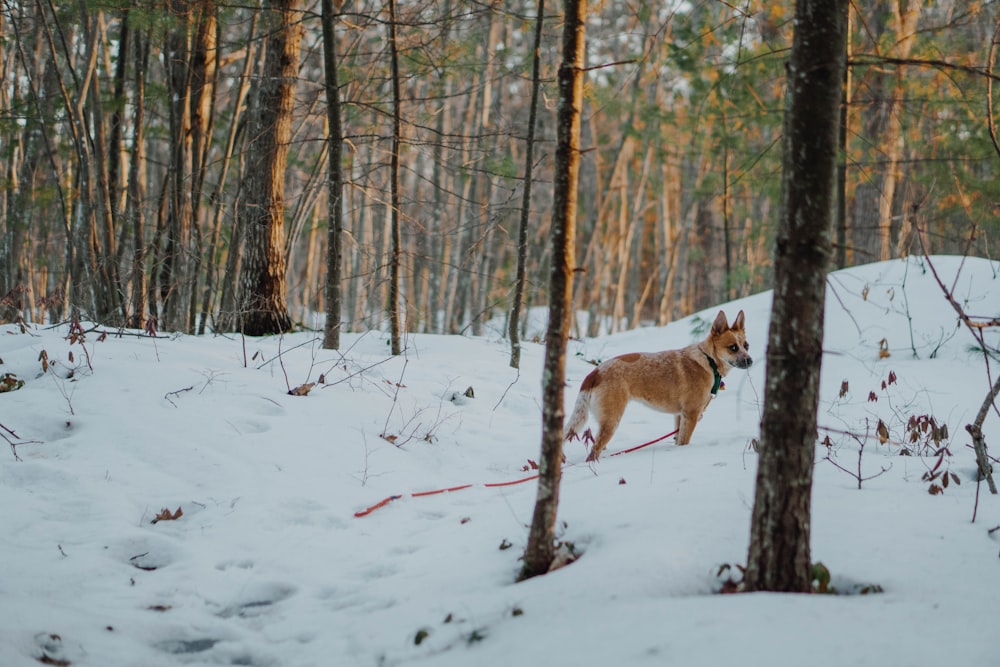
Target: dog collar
{"x": 717, "y": 384}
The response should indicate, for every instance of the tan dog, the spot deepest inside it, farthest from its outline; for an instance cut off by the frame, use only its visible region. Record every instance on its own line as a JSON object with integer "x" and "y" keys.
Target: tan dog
{"x": 680, "y": 382}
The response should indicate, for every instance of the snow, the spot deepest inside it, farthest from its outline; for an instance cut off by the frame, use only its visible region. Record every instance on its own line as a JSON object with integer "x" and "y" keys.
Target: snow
{"x": 268, "y": 564}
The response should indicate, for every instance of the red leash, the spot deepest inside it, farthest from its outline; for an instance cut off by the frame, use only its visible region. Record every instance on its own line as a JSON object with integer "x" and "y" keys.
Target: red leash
{"x": 491, "y": 485}
{"x": 645, "y": 444}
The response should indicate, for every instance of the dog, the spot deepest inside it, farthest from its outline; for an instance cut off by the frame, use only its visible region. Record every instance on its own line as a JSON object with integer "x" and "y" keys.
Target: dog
{"x": 680, "y": 382}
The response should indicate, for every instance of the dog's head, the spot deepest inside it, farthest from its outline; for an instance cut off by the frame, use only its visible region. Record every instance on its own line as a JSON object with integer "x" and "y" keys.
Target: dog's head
{"x": 729, "y": 343}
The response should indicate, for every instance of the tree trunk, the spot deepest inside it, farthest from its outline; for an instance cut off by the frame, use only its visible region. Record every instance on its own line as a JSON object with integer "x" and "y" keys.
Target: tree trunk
{"x": 514, "y": 322}
{"x": 136, "y": 190}
{"x": 174, "y": 259}
{"x": 539, "y": 553}
{"x": 204, "y": 83}
{"x": 236, "y": 125}
{"x": 395, "y": 250}
{"x": 263, "y": 309}
{"x": 779, "y": 557}
{"x": 331, "y": 330}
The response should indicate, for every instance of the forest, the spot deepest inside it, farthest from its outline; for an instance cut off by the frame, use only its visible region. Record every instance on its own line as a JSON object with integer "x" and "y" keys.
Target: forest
{"x": 181, "y": 165}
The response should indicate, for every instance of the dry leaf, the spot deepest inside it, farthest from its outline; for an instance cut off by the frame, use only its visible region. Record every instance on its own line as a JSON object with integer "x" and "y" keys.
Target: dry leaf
{"x": 864, "y": 293}
{"x": 302, "y": 389}
{"x": 843, "y": 389}
{"x": 883, "y": 432}
{"x": 166, "y": 515}
{"x": 883, "y": 349}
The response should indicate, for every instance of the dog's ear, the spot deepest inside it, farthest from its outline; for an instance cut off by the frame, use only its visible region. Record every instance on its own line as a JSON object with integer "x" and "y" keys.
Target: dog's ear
{"x": 721, "y": 325}
{"x": 738, "y": 322}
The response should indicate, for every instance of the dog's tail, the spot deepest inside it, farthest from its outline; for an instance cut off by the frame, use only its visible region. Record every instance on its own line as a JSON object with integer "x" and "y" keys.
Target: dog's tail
{"x": 578, "y": 417}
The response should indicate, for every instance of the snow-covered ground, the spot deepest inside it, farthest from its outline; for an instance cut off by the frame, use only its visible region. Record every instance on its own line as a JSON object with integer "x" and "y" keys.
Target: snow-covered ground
{"x": 267, "y": 564}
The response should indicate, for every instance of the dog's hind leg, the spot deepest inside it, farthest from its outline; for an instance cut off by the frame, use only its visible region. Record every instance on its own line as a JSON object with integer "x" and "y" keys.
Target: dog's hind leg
{"x": 608, "y": 416}
{"x": 578, "y": 417}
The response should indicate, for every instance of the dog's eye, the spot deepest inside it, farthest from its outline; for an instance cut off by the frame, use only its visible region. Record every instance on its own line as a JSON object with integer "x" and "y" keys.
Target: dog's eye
{"x": 746, "y": 346}
{"x": 734, "y": 348}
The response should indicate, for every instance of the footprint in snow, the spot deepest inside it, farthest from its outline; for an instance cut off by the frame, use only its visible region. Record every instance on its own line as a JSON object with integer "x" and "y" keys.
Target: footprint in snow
{"x": 257, "y": 600}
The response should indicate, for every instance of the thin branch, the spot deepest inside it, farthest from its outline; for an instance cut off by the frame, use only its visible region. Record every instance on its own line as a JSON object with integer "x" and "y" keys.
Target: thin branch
{"x": 989, "y": 89}
{"x": 863, "y": 60}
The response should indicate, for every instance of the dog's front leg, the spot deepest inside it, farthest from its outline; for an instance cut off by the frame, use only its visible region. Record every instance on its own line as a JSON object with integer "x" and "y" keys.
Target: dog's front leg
{"x": 685, "y": 427}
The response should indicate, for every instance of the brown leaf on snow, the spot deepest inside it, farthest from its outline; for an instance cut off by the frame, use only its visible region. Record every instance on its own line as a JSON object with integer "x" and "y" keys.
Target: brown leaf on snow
{"x": 166, "y": 515}
{"x": 302, "y": 389}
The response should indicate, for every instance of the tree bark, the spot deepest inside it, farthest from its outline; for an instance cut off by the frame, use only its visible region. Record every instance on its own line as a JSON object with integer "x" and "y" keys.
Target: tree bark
{"x": 331, "y": 330}
{"x": 395, "y": 250}
{"x": 779, "y": 555}
{"x": 539, "y": 553}
{"x": 263, "y": 309}
{"x": 135, "y": 194}
{"x": 174, "y": 259}
{"x": 514, "y": 322}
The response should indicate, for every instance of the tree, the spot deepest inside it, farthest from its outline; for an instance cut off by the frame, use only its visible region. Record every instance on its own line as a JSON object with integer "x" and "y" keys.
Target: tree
{"x": 262, "y": 306}
{"x": 540, "y": 550}
{"x": 893, "y": 31}
{"x": 522, "y": 230}
{"x": 331, "y": 330}
{"x": 779, "y": 557}
{"x": 394, "y": 231}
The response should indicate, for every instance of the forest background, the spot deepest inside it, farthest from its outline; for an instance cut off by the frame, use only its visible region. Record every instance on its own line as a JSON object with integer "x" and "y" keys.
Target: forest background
{"x": 130, "y": 185}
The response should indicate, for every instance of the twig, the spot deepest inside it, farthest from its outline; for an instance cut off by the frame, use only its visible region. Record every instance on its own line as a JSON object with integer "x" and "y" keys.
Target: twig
{"x": 281, "y": 363}
{"x": 990, "y": 125}
{"x": 975, "y": 429}
{"x": 9, "y": 435}
{"x": 395, "y": 396}
{"x": 62, "y": 390}
{"x": 975, "y": 328}
{"x": 176, "y": 393}
{"x": 509, "y": 387}
{"x": 283, "y": 352}
{"x": 829, "y": 283}
{"x": 861, "y": 450}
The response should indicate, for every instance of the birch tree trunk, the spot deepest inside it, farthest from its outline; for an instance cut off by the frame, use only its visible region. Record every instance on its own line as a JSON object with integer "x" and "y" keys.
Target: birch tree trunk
{"x": 779, "y": 556}
{"x": 540, "y": 551}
